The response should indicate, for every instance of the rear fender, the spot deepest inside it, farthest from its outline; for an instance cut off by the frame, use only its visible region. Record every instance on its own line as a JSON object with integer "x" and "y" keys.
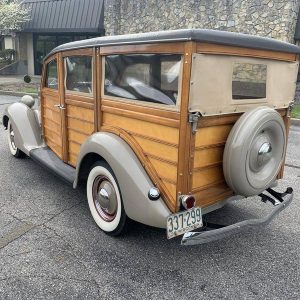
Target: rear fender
{"x": 28, "y": 132}
{"x": 133, "y": 180}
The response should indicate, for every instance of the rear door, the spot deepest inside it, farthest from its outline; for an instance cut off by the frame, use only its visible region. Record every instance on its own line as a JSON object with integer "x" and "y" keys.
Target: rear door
{"x": 52, "y": 108}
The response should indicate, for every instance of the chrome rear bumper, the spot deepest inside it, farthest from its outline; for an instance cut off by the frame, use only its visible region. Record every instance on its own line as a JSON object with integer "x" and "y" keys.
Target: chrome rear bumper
{"x": 279, "y": 200}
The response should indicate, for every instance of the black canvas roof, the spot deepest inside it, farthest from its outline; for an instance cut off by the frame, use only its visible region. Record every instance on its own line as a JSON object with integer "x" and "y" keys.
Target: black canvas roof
{"x": 58, "y": 16}
{"x": 201, "y": 35}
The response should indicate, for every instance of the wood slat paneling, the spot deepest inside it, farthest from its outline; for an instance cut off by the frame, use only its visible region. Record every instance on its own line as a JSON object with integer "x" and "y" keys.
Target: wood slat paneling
{"x": 158, "y": 143}
{"x": 208, "y": 156}
{"x": 152, "y": 130}
{"x": 157, "y": 149}
{"x": 208, "y": 183}
{"x": 239, "y": 51}
{"x": 165, "y": 170}
{"x": 213, "y": 135}
{"x": 80, "y": 125}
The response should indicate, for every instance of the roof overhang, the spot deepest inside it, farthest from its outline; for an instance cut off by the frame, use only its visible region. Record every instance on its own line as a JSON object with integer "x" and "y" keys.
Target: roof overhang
{"x": 65, "y": 16}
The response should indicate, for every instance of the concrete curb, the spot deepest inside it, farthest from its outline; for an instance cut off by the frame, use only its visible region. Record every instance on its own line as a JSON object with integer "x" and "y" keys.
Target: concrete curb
{"x": 295, "y": 122}
{"x": 21, "y": 94}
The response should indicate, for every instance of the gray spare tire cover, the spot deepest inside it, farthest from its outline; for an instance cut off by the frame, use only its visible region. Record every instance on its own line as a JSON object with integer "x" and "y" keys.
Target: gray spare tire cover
{"x": 254, "y": 151}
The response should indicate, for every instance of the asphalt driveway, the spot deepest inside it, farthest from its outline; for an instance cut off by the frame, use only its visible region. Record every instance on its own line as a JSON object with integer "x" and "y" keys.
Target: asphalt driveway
{"x": 50, "y": 247}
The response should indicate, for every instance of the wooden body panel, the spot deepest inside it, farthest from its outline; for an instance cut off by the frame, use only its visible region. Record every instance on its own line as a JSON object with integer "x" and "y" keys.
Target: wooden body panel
{"x": 52, "y": 121}
{"x": 157, "y": 142}
{"x": 80, "y": 125}
{"x": 208, "y": 182}
{"x": 239, "y": 51}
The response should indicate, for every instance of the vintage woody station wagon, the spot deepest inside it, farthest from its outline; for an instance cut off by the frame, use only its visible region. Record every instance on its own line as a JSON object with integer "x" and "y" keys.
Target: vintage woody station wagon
{"x": 163, "y": 127}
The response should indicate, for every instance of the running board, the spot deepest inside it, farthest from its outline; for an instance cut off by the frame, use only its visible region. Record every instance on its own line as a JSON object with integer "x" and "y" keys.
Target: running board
{"x": 49, "y": 160}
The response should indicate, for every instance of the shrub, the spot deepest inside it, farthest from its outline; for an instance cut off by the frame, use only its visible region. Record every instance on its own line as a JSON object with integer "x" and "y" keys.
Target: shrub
{"x": 7, "y": 55}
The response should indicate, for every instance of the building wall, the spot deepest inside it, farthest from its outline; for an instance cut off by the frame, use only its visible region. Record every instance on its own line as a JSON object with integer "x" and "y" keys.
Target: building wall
{"x": 269, "y": 18}
{"x": 22, "y": 46}
{"x": 8, "y": 42}
{"x": 30, "y": 54}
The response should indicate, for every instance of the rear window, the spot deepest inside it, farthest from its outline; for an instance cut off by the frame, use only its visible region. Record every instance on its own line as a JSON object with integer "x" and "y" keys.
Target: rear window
{"x": 143, "y": 77}
{"x": 249, "y": 81}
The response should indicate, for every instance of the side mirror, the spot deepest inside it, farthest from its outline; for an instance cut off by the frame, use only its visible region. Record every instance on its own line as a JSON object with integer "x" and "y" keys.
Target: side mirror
{"x": 27, "y": 79}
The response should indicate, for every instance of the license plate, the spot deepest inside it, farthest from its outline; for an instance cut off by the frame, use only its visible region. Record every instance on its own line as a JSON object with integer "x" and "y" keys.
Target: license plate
{"x": 183, "y": 222}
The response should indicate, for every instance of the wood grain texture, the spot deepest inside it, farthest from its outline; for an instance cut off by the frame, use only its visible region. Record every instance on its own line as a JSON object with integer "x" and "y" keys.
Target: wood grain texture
{"x": 61, "y": 91}
{"x": 80, "y": 125}
{"x": 151, "y": 130}
{"x": 208, "y": 183}
{"x": 167, "y": 188}
{"x": 51, "y": 115}
{"x": 144, "y": 48}
{"x": 155, "y": 144}
{"x": 79, "y": 52}
{"x": 287, "y": 123}
{"x": 239, "y": 51}
{"x": 185, "y": 137}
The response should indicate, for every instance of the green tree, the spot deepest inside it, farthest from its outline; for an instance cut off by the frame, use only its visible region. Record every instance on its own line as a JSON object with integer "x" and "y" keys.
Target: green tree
{"x": 12, "y": 15}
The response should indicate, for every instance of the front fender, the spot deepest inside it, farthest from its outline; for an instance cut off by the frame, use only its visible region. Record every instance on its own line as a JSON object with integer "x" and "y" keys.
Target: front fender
{"x": 133, "y": 180}
{"x": 28, "y": 133}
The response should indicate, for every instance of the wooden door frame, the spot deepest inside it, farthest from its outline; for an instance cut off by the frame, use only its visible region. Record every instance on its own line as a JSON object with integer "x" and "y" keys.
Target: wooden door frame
{"x": 179, "y": 118}
{"x": 55, "y": 93}
{"x": 77, "y": 98}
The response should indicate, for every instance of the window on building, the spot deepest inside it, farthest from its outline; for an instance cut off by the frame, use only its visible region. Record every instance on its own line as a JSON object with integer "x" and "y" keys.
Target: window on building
{"x": 145, "y": 77}
{"x": 78, "y": 75}
{"x": 51, "y": 77}
{"x": 249, "y": 81}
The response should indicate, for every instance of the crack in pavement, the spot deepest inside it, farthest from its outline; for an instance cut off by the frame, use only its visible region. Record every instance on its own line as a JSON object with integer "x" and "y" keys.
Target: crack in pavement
{"x": 25, "y": 227}
{"x": 292, "y": 166}
{"x": 15, "y": 234}
{"x": 49, "y": 277}
{"x": 79, "y": 261}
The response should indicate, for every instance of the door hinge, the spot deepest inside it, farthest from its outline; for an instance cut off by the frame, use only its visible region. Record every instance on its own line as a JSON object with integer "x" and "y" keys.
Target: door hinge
{"x": 193, "y": 119}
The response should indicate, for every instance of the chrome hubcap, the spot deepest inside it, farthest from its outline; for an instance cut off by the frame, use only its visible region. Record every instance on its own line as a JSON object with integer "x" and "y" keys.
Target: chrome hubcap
{"x": 105, "y": 198}
{"x": 264, "y": 154}
{"x": 261, "y": 153}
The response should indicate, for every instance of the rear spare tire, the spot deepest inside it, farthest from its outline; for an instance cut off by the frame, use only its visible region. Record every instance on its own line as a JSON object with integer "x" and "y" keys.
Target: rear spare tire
{"x": 254, "y": 151}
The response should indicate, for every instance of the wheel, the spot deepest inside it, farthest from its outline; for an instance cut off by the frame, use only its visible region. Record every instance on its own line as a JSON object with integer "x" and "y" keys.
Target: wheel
{"x": 105, "y": 200}
{"x": 16, "y": 152}
{"x": 254, "y": 151}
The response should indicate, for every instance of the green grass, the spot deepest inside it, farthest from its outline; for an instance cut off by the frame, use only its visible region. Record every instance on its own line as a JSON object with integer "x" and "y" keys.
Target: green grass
{"x": 30, "y": 90}
{"x": 296, "y": 111}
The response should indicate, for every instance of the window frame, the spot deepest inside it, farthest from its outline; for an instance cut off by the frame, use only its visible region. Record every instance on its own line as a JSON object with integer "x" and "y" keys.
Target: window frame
{"x": 249, "y": 100}
{"x": 66, "y": 74}
{"x": 143, "y": 103}
{"x": 45, "y": 73}
{"x": 80, "y": 52}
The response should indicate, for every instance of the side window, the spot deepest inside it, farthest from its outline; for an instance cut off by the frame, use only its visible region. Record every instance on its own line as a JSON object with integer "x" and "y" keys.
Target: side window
{"x": 51, "y": 75}
{"x": 143, "y": 77}
{"x": 79, "y": 74}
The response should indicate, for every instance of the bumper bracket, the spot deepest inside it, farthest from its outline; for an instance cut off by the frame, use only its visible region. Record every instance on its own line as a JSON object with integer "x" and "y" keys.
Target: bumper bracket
{"x": 212, "y": 232}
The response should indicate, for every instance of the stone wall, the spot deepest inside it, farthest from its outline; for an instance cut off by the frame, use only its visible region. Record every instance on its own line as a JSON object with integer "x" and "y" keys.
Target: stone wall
{"x": 269, "y": 18}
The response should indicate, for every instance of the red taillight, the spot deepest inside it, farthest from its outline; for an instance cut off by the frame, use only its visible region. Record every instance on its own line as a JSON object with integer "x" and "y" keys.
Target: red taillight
{"x": 188, "y": 201}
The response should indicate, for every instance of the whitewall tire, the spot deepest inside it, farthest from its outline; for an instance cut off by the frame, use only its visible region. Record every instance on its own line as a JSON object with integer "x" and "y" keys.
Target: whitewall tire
{"x": 14, "y": 150}
{"x": 105, "y": 200}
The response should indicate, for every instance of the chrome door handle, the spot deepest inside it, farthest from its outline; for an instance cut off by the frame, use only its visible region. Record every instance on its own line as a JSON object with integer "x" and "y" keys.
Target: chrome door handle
{"x": 59, "y": 106}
